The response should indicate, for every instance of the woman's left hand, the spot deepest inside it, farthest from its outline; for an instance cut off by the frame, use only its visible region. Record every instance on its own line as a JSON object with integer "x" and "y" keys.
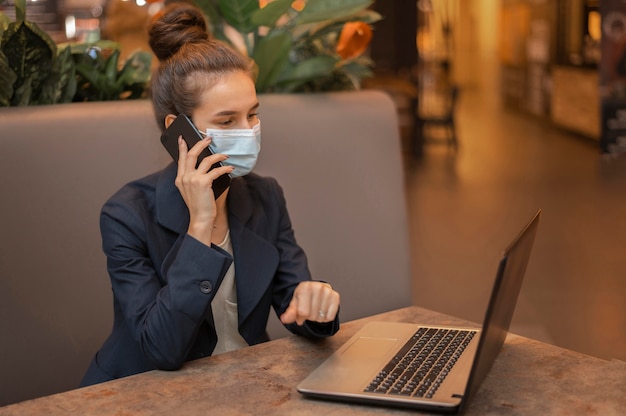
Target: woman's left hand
{"x": 312, "y": 301}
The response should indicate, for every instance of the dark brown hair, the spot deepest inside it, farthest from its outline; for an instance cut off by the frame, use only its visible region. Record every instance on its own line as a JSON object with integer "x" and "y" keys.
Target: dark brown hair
{"x": 190, "y": 60}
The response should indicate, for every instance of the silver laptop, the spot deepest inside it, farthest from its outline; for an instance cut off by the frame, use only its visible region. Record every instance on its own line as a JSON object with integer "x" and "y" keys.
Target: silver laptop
{"x": 425, "y": 367}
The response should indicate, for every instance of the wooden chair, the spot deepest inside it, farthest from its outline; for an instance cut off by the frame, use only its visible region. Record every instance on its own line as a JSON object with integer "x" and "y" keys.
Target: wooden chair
{"x": 441, "y": 117}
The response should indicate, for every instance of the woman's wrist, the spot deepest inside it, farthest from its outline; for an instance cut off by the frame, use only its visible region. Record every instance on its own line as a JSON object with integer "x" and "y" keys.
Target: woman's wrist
{"x": 201, "y": 230}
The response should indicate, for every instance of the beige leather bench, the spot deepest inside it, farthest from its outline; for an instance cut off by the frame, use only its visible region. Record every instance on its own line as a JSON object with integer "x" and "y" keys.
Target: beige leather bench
{"x": 337, "y": 157}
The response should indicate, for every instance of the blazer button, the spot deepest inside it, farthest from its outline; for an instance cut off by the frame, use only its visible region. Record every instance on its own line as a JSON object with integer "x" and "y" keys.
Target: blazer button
{"x": 206, "y": 287}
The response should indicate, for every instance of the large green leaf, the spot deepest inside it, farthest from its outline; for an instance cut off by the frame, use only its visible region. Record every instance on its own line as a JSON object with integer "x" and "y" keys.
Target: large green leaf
{"x": 110, "y": 69}
{"x": 89, "y": 69}
{"x": 25, "y": 44}
{"x": 357, "y": 69}
{"x": 238, "y": 13}
{"x": 214, "y": 17}
{"x": 269, "y": 15}
{"x": 30, "y": 54}
{"x": 336, "y": 25}
{"x": 23, "y": 93}
{"x": 64, "y": 66}
{"x": 54, "y": 89}
{"x": 270, "y": 55}
{"x": 41, "y": 34}
{"x": 7, "y": 79}
{"x": 317, "y": 66}
{"x": 303, "y": 72}
{"x": 136, "y": 70}
{"x": 133, "y": 78}
{"x": 106, "y": 78}
{"x": 320, "y": 10}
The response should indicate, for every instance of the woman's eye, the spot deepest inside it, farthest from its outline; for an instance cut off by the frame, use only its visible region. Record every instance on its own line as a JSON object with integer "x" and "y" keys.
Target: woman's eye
{"x": 225, "y": 123}
{"x": 253, "y": 116}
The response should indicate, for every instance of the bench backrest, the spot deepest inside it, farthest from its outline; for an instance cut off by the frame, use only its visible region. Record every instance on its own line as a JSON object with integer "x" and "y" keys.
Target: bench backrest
{"x": 337, "y": 157}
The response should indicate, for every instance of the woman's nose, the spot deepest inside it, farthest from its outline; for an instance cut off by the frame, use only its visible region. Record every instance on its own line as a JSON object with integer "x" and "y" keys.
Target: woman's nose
{"x": 248, "y": 124}
{"x": 245, "y": 124}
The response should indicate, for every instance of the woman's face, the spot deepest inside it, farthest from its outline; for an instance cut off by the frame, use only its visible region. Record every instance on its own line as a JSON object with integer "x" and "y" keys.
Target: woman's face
{"x": 231, "y": 103}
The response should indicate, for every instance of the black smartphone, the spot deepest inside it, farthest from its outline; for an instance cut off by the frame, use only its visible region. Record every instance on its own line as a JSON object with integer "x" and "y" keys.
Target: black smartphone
{"x": 182, "y": 126}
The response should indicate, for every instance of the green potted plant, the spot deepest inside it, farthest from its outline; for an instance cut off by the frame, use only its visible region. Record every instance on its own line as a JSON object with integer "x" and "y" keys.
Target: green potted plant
{"x": 298, "y": 46}
{"x": 34, "y": 70}
{"x": 101, "y": 76}
{"x": 31, "y": 70}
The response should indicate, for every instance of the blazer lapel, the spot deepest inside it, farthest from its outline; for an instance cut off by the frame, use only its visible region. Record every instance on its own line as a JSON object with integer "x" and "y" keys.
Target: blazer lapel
{"x": 256, "y": 259}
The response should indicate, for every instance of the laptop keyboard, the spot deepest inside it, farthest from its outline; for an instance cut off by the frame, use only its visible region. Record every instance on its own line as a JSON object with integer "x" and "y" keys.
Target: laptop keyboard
{"x": 420, "y": 367}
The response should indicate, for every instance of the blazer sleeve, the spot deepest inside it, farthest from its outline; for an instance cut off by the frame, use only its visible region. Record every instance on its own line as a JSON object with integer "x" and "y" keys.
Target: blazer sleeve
{"x": 292, "y": 270}
{"x": 162, "y": 302}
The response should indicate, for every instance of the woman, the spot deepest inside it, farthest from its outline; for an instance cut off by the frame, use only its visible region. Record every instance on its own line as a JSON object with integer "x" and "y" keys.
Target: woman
{"x": 194, "y": 275}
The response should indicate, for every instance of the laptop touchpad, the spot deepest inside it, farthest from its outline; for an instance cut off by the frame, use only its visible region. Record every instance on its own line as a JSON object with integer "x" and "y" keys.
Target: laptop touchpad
{"x": 370, "y": 347}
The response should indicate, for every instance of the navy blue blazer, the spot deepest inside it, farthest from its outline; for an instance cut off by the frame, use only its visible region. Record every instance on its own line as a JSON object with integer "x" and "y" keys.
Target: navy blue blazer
{"x": 163, "y": 280}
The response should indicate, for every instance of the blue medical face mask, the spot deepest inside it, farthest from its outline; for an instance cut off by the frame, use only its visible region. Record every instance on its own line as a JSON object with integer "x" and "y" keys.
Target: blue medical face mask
{"x": 242, "y": 146}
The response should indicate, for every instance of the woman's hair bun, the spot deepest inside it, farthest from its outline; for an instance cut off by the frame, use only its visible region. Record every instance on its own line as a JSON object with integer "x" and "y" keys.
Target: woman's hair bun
{"x": 178, "y": 24}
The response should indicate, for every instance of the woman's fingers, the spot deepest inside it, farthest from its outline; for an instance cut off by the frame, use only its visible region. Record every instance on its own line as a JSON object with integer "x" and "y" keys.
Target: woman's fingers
{"x": 182, "y": 155}
{"x": 313, "y": 301}
{"x": 188, "y": 159}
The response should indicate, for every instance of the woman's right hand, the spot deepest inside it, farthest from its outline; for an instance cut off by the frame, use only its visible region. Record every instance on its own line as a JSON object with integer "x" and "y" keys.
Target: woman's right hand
{"x": 195, "y": 186}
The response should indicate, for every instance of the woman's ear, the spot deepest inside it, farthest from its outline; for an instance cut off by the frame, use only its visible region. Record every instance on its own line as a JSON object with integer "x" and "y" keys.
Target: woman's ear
{"x": 169, "y": 119}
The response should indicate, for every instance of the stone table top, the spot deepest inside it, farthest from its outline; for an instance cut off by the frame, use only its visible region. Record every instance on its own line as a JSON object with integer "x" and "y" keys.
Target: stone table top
{"x": 528, "y": 378}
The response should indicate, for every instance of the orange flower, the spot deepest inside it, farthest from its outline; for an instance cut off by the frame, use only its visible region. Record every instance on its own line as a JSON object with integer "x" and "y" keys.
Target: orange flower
{"x": 354, "y": 39}
{"x": 298, "y": 5}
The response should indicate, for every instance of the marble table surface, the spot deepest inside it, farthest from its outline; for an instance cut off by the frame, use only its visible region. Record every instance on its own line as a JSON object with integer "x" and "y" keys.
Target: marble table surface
{"x": 528, "y": 378}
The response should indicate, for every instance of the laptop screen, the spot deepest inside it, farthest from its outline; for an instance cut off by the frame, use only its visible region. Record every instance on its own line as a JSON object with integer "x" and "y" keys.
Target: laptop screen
{"x": 502, "y": 304}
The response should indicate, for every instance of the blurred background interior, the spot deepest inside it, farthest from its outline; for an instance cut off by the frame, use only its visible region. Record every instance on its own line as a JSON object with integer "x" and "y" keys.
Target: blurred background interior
{"x": 501, "y": 106}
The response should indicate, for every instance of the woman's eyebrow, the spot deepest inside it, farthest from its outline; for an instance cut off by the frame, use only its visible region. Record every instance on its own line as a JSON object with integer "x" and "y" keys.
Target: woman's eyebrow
{"x": 226, "y": 113}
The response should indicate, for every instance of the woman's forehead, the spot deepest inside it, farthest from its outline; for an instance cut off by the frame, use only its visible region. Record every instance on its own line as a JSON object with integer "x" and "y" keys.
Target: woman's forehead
{"x": 232, "y": 92}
